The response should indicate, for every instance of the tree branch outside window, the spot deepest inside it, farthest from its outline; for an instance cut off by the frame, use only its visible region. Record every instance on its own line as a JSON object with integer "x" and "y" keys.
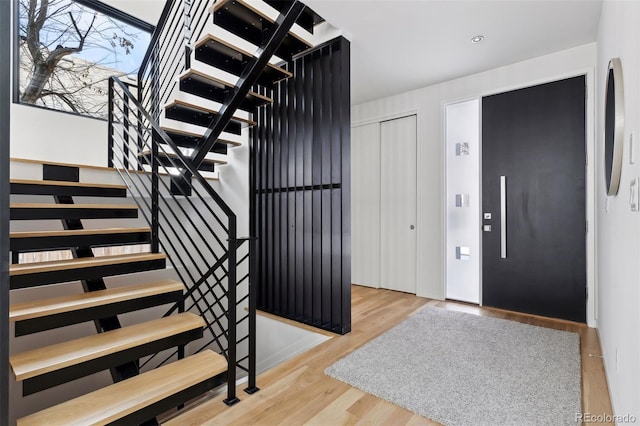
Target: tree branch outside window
{"x": 68, "y": 51}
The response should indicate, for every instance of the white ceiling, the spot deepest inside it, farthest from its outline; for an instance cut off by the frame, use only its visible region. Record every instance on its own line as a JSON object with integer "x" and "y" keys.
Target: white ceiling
{"x": 400, "y": 45}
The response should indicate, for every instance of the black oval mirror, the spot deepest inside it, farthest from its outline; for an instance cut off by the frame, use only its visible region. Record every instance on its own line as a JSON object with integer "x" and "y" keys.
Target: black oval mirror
{"x": 613, "y": 126}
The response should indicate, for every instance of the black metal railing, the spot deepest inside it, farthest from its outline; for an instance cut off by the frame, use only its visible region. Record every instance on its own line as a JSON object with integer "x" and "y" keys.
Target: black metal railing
{"x": 197, "y": 232}
{"x": 169, "y": 53}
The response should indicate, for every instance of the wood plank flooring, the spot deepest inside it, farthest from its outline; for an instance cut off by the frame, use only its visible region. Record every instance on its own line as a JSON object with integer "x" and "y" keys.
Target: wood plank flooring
{"x": 298, "y": 392}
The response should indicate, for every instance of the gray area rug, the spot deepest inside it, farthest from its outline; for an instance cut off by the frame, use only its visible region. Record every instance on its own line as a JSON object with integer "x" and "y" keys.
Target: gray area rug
{"x": 463, "y": 369}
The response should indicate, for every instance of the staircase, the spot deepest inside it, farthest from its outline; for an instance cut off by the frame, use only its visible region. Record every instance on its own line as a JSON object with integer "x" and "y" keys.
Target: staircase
{"x": 217, "y": 77}
{"x": 197, "y": 92}
{"x": 135, "y": 397}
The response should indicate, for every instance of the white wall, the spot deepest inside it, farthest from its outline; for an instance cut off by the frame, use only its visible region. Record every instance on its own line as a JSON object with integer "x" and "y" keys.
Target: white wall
{"x": 618, "y": 248}
{"x": 278, "y": 341}
{"x": 428, "y": 103}
{"x": 40, "y": 134}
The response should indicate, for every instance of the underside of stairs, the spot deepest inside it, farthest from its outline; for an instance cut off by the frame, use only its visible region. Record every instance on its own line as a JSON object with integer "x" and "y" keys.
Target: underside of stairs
{"x": 205, "y": 107}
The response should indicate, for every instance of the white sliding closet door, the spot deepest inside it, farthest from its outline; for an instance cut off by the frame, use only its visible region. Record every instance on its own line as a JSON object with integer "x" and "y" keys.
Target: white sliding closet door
{"x": 365, "y": 205}
{"x": 398, "y": 204}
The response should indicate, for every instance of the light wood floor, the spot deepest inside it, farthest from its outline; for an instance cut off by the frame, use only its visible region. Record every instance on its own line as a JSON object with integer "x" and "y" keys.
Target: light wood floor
{"x": 298, "y": 392}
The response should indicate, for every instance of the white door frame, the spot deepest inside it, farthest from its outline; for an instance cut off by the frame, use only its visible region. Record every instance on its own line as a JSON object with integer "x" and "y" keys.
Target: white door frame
{"x": 592, "y": 285}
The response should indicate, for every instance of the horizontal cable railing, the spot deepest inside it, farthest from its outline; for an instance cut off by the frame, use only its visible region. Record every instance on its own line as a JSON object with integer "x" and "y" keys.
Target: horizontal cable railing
{"x": 169, "y": 54}
{"x": 189, "y": 222}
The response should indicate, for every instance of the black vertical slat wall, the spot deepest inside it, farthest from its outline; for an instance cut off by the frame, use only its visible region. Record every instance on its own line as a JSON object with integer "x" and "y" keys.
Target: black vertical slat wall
{"x": 301, "y": 159}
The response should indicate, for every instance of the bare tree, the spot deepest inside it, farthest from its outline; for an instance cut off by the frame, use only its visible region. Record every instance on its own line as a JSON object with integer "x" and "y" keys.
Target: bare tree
{"x": 53, "y": 33}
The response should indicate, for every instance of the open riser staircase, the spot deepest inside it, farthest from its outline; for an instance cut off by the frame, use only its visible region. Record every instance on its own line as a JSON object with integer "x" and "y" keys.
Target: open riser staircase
{"x": 203, "y": 94}
{"x": 115, "y": 348}
{"x": 197, "y": 89}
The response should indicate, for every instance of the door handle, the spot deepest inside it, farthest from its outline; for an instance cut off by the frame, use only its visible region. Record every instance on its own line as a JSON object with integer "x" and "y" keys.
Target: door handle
{"x": 503, "y": 217}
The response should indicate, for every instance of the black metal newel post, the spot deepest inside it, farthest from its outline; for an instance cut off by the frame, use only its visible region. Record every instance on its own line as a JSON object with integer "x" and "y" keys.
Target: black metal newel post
{"x": 125, "y": 134}
{"x": 5, "y": 189}
{"x": 252, "y": 388}
{"x": 140, "y": 138}
{"x": 110, "y": 128}
{"x": 253, "y": 261}
{"x": 155, "y": 85}
{"x": 187, "y": 33}
{"x": 155, "y": 196}
{"x": 231, "y": 314}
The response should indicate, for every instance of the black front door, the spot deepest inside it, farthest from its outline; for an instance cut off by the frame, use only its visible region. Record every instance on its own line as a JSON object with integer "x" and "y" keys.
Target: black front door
{"x": 533, "y": 188}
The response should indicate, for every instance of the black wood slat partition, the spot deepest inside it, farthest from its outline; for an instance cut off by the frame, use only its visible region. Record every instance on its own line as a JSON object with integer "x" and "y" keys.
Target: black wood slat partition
{"x": 301, "y": 160}
{"x": 5, "y": 106}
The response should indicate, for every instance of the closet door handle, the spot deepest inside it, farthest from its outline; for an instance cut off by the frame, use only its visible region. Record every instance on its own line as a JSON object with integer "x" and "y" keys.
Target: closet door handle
{"x": 503, "y": 217}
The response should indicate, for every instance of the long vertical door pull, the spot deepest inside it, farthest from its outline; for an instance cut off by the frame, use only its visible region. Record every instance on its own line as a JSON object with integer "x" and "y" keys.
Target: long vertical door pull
{"x": 503, "y": 217}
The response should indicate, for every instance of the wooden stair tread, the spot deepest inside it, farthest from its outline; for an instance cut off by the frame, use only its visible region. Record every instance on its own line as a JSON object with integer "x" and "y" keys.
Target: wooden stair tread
{"x": 224, "y": 55}
{"x": 185, "y": 104}
{"x": 258, "y": 18}
{"x": 173, "y": 155}
{"x": 43, "y": 360}
{"x": 53, "y": 211}
{"x": 91, "y": 167}
{"x": 41, "y": 308}
{"x": 47, "y": 240}
{"x": 70, "y": 264}
{"x": 75, "y": 232}
{"x": 65, "y": 183}
{"x": 66, "y": 188}
{"x": 201, "y": 84}
{"x": 196, "y": 135}
{"x": 120, "y": 399}
{"x": 221, "y": 83}
{"x": 72, "y": 206}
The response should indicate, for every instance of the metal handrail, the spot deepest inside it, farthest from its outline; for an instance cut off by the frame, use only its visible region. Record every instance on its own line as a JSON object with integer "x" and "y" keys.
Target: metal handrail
{"x": 186, "y": 163}
{"x": 135, "y": 137}
{"x": 157, "y": 78}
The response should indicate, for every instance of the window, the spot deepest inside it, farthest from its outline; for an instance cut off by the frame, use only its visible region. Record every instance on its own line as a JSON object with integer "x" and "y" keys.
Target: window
{"x": 68, "y": 49}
